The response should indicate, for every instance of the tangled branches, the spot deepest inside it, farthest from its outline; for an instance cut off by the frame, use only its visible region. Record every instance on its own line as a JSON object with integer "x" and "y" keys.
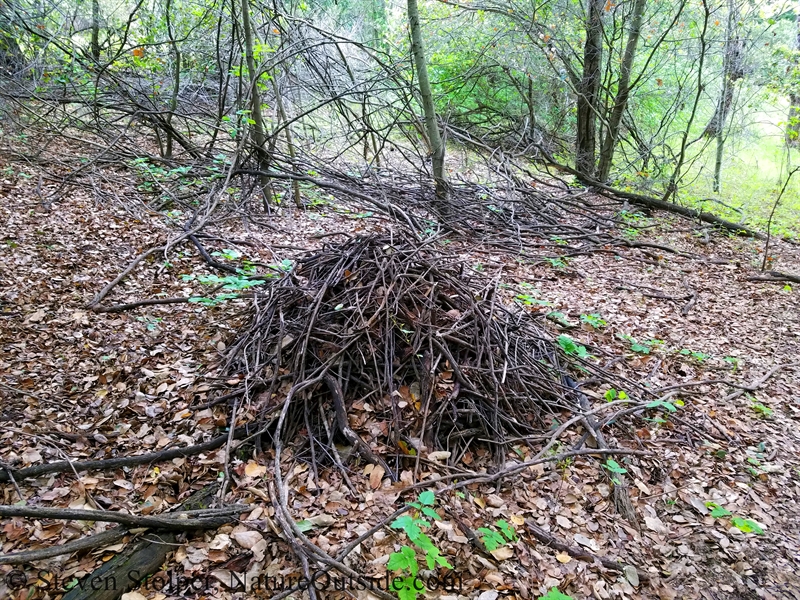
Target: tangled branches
{"x": 392, "y": 322}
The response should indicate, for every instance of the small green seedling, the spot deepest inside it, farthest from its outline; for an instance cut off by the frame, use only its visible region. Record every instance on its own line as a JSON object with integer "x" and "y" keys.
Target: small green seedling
{"x": 717, "y": 511}
{"x": 571, "y": 347}
{"x": 763, "y": 412}
{"x": 746, "y": 525}
{"x": 405, "y": 560}
{"x": 613, "y": 466}
{"x": 594, "y": 320}
{"x": 554, "y": 594}
{"x": 493, "y": 540}
{"x": 529, "y": 300}
{"x": 613, "y": 394}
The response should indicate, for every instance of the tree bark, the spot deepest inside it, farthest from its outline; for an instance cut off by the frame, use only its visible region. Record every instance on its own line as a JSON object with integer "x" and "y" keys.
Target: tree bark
{"x": 623, "y": 91}
{"x": 588, "y": 90}
{"x": 733, "y": 70}
{"x": 257, "y": 131}
{"x": 173, "y": 101}
{"x": 96, "y": 30}
{"x": 793, "y": 128}
{"x": 431, "y": 126}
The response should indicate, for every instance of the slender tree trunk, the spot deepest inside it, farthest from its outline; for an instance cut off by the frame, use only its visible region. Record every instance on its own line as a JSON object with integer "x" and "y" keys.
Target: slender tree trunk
{"x": 588, "y": 90}
{"x": 176, "y": 75}
{"x": 733, "y": 70}
{"x": 298, "y": 200}
{"x": 672, "y": 186}
{"x": 793, "y": 128}
{"x": 11, "y": 57}
{"x": 259, "y": 139}
{"x": 431, "y": 126}
{"x": 623, "y": 91}
{"x": 96, "y": 30}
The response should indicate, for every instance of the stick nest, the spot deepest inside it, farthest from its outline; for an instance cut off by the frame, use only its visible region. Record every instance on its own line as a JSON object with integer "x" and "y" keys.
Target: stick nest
{"x": 411, "y": 334}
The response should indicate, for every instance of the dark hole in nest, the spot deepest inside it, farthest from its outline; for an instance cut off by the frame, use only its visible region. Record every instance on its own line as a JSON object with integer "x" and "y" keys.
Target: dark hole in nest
{"x": 422, "y": 345}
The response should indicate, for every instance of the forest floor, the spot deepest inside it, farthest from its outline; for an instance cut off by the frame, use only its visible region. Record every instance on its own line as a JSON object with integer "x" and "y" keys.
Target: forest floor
{"x": 80, "y": 384}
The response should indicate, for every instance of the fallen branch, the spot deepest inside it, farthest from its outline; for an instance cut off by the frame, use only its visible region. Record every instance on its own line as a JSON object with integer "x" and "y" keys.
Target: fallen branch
{"x": 127, "y": 569}
{"x": 580, "y": 553}
{"x": 6, "y": 474}
{"x": 181, "y": 521}
{"x": 658, "y": 204}
{"x": 87, "y": 543}
{"x": 775, "y": 277}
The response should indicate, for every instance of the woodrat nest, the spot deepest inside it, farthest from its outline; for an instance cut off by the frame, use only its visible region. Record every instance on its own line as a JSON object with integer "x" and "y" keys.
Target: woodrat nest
{"x": 422, "y": 341}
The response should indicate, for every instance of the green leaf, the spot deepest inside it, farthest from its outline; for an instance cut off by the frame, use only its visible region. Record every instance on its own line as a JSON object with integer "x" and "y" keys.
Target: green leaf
{"x": 746, "y": 525}
{"x": 507, "y": 529}
{"x": 554, "y": 594}
{"x": 427, "y": 497}
{"x": 614, "y": 467}
{"x": 305, "y": 525}
{"x": 408, "y": 524}
{"x": 406, "y": 560}
{"x": 405, "y": 589}
{"x": 429, "y": 512}
{"x": 662, "y": 404}
{"x": 491, "y": 539}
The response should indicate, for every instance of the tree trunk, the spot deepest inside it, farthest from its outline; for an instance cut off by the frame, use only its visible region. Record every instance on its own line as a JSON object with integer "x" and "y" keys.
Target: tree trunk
{"x": 588, "y": 90}
{"x": 733, "y": 70}
{"x": 623, "y": 91}
{"x": 173, "y": 101}
{"x": 257, "y": 131}
{"x": 793, "y": 128}
{"x": 431, "y": 126}
{"x": 11, "y": 57}
{"x": 298, "y": 200}
{"x": 96, "y": 30}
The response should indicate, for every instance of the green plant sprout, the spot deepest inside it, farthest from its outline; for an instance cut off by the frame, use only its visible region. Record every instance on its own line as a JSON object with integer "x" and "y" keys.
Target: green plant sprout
{"x": 698, "y": 356}
{"x": 613, "y": 466}
{"x": 644, "y": 347}
{"x": 493, "y": 540}
{"x": 554, "y": 594}
{"x": 529, "y": 300}
{"x": 613, "y": 394}
{"x": 743, "y": 525}
{"x": 594, "y": 320}
{"x": 572, "y": 348}
{"x": 559, "y": 318}
{"x": 763, "y": 412}
{"x": 405, "y": 560}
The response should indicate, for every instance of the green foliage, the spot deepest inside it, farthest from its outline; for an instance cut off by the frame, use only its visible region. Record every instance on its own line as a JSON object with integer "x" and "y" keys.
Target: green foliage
{"x": 644, "y": 347}
{"x": 698, "y": 356}
{"x": 746, "y": 525}
{"x": 405, "y": 560}
{"x": 554, "y": 594}
{"x": 594, "y": 320}
{"x": 529, "y": 300}
{"x": 560, "y": 318}
{"x": 493, "y": 539}
{"x": 762, "y": 411}
{"x": 613, "y": 394}
{"x": 717, "y": 511}
{"x": 571, "y": 347}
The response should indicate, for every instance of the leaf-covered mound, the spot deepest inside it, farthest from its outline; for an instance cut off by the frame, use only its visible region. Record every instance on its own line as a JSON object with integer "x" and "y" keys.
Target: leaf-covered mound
{"x": 416, "y": 336}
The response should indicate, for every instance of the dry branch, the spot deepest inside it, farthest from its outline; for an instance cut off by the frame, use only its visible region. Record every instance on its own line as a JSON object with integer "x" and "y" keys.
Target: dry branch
{"x": 6, "y": 473}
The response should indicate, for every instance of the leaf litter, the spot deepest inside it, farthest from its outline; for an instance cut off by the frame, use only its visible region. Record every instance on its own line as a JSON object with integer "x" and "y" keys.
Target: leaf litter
{"x": 84, "y": 385}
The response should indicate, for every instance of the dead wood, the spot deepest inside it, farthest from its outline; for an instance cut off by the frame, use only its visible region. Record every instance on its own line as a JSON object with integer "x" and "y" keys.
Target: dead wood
{"x": 579, "y": 553}
{"x": 87, "y": 543}
{"x": 7, "y": 473}
{"x": 180, "y": 522}
{"x": 127, "y": 569}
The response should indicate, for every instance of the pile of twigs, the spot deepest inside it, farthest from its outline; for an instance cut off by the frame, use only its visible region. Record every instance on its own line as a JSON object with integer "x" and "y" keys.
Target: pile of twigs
{"x": 425, "y": 341}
